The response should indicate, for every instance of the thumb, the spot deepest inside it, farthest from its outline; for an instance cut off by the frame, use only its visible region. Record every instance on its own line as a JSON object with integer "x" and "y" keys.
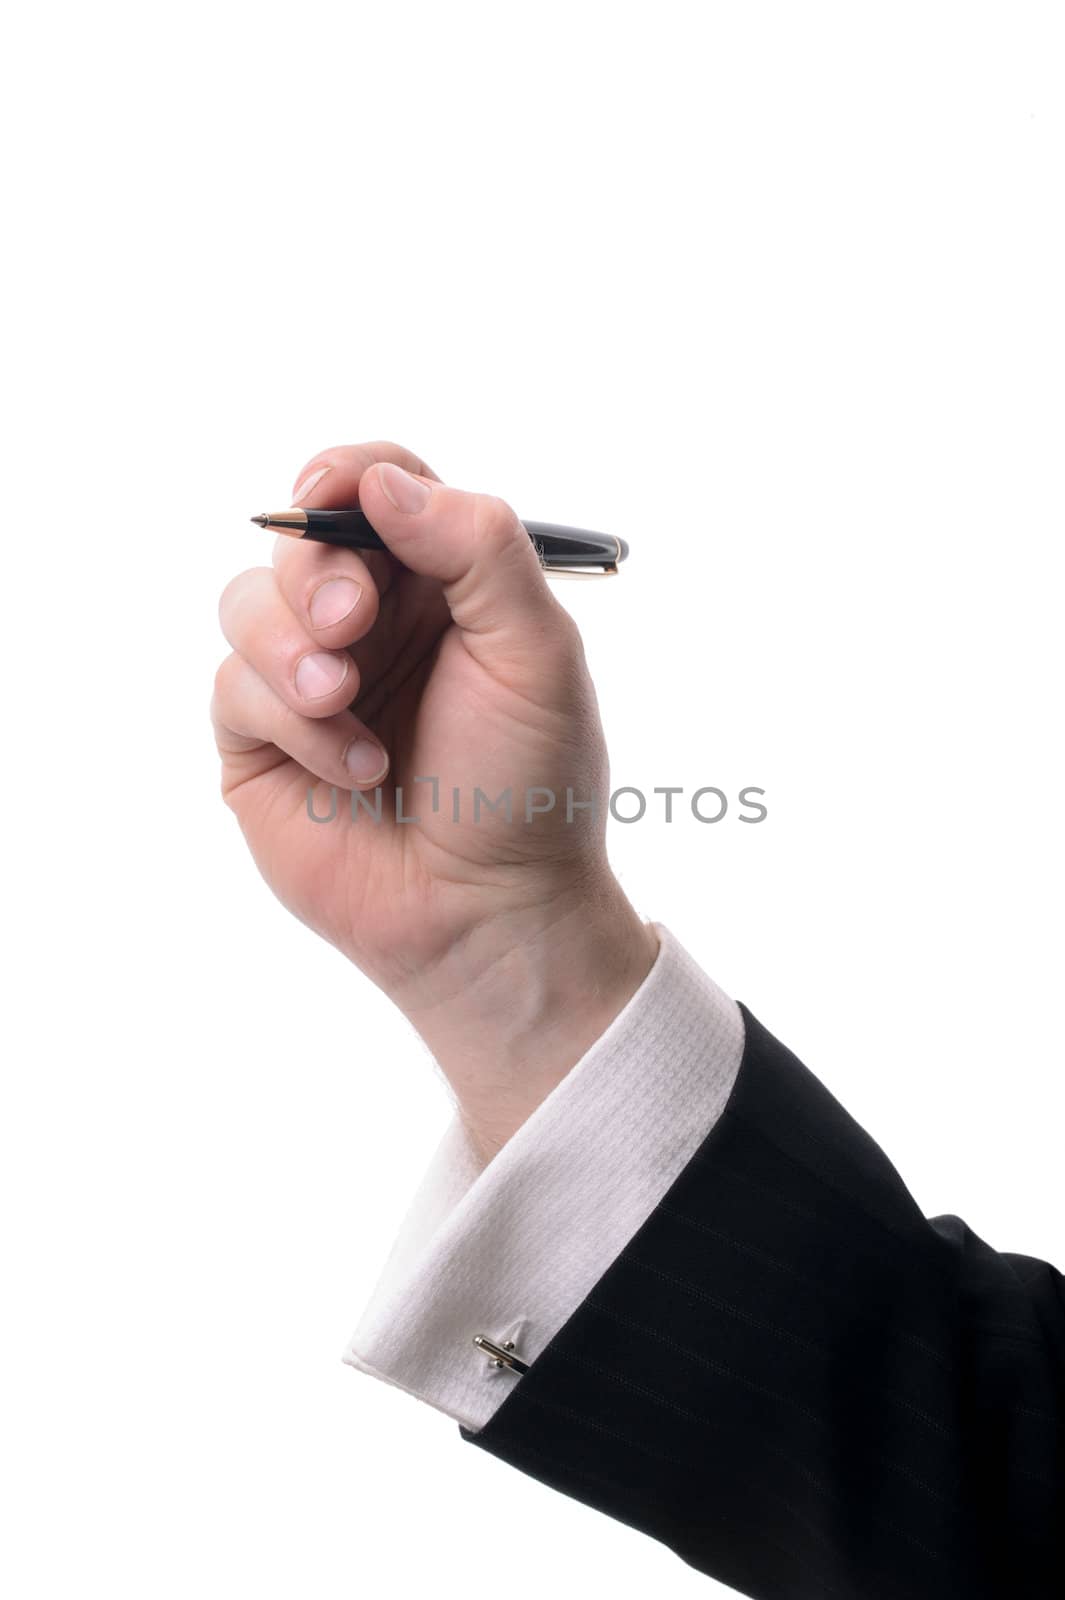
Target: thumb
{"x": 473, "y": 544}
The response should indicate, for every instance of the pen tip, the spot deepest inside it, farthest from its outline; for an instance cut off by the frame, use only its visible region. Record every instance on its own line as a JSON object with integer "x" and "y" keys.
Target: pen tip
{"x": 262, "y": 519}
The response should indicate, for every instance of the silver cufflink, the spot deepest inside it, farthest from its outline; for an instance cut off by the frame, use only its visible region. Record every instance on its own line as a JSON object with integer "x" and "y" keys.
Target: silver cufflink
{"x": 500, "y": 1355}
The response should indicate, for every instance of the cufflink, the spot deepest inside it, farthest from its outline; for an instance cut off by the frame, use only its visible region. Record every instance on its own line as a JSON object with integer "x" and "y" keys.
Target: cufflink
{"x": 500, "y": 1355}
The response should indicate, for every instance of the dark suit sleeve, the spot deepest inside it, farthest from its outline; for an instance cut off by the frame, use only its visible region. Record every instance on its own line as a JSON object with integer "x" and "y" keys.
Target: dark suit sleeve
{"x": 803, "y": 1386}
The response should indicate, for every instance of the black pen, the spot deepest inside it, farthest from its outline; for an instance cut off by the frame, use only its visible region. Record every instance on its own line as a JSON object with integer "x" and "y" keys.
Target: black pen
{"x": 562, "y": 550}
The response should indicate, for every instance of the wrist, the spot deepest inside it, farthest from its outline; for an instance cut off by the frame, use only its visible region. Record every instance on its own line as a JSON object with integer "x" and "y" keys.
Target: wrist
{"x": 523, "y": 998}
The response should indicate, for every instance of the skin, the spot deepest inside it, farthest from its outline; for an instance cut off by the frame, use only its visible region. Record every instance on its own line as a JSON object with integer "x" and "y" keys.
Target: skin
{"x": 509, "y": 946}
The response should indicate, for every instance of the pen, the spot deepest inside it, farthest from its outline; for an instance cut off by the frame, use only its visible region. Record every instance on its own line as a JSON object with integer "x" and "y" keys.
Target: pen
{"x": 562, "y": 550}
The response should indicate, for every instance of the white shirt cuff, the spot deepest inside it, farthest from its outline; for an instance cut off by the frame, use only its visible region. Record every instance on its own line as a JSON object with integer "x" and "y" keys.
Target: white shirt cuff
{"x": 510, "y": 1249}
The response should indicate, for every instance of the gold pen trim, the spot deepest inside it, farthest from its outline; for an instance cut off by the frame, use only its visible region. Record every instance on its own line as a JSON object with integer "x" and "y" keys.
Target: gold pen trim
{"x": 609, "y": 569}
{"x": 293, "y": 522}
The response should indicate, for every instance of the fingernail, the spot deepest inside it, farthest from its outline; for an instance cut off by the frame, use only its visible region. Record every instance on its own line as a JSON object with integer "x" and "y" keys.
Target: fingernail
{"x": 366, "y": 761}
{"x": 319, "y": 674}
{"x": 332, "y": 601}
{"x": 406, "y": 493}
{"x": 306, "y": 484}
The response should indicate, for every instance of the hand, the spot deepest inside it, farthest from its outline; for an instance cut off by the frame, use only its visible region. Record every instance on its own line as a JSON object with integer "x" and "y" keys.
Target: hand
{"x": 507, "y": 943}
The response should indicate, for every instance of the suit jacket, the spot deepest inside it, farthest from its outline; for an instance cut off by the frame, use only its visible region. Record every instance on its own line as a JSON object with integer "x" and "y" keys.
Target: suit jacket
{"x": 802, "y": 1385}
{"x": 739, "y": 1333}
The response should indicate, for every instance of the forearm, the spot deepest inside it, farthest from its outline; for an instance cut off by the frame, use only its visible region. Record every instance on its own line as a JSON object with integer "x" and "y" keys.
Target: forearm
{"x": 508, "y": 1014}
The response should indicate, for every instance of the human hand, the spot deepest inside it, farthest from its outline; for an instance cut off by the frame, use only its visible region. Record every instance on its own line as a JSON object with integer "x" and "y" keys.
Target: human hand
{"x": 507, "y": 943}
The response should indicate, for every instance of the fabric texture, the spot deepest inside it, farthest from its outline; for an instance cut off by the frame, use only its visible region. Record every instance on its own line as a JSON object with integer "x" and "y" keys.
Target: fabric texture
{"x": 512, "y": 1248}
{"x": 800, "y": 1384}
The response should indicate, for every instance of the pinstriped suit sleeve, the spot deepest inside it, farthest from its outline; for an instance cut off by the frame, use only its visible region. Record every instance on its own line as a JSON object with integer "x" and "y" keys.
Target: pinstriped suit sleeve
{"x": 799, "y": 1383}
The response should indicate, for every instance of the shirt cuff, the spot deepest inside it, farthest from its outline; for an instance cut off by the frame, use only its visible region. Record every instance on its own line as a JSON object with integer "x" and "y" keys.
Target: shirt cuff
{"x": 511, "y": 1248}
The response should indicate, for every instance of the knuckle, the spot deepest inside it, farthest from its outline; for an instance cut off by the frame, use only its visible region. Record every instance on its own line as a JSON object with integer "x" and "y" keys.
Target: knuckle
{"x": 569, "y": 641}
{"x": 226, "y": 598}
{"x": 495, "y": 522}
{"x": 401, "y": 454}
{"x": 570, "y": 636}
{"x": 224, "y": 678}
{"x": 237, "y": 589}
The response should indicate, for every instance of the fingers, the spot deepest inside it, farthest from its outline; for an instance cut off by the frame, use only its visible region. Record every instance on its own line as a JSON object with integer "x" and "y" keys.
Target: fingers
{"x": 310, "y": 575}
{"x": 331, "y": 592}
{"x": 284, "y": 651}
{"x": 332, "y": 477}
{"x": 249, "y": 714}
{"x": 474, "y": 544}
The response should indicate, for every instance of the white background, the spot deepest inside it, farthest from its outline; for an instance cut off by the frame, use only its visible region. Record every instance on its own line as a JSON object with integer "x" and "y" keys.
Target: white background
{"x": 774, "y": 291}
